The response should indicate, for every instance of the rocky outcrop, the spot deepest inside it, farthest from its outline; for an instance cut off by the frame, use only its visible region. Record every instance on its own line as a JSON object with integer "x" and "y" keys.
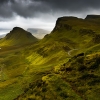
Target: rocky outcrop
{"x": 96, "y": 38}
{"x": 61, "y": 23}
{"x": 86, "y": 32}
{"x": 92, "y": 17}
{"x": 60, "y": 26}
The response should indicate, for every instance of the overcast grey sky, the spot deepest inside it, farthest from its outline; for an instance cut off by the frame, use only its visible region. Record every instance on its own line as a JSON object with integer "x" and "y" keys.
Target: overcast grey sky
{"x": 42, "y": 13}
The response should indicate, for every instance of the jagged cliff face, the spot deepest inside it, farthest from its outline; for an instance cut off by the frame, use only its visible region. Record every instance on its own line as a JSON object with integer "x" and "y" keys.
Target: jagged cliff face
{"x": 61, "y": 23}
{"x": 70, "y": 23}
{"x": 76, "y": 32}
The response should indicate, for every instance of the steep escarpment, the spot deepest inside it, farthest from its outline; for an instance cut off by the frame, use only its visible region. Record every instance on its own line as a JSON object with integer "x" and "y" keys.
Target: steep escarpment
{"x": 69, "y": 33}
{"x": 60, "y": 23}
{"x": 92, "y": 17}
{"x": 79, "y": 32}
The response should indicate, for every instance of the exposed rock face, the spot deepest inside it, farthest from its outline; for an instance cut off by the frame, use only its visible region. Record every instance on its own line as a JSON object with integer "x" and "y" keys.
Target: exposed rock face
{"x": 96, "y": 38}
{"x": 61, "y": 23}
{"x": 65, "y": 18}
{"x": 86, "y": 32}
{"x": 60, "y": 26}
{"x": 92, "y": 16}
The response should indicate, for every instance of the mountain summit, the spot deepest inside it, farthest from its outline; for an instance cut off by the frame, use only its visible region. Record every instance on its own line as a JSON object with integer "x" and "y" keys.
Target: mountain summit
{"x": 18, "y": 36}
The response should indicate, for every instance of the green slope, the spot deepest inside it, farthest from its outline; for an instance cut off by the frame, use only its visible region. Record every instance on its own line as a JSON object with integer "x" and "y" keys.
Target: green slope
{"x": 77, "y": 79}
{"x": 47, "y": 70}
{"x": 17, "y": 36}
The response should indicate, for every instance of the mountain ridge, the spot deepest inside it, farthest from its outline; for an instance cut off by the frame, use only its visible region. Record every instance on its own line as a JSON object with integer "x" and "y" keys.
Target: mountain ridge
{"x": 64, "y": 65}
{"x": 92, "y": 17}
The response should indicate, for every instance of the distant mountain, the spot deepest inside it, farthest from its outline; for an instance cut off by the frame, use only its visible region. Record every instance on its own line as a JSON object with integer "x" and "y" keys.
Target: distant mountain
{"x": 18, "y": 36}
{"x": 2, "y": 36}
{"x": 39, "y": 33}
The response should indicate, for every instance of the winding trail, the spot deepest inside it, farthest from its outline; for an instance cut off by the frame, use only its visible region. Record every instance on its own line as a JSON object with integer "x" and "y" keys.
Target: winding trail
{"x": 70, "y": 51}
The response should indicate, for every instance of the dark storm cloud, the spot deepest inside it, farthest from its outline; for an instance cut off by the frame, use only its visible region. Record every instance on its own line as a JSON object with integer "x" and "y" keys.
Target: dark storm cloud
{"x": 32, "y": 8}
{"x": 71, "y": 5}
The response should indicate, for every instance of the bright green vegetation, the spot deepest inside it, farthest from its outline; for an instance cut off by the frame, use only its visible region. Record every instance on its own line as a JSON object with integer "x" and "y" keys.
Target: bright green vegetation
{"x": 78, "y": 79}
{"x": 64, "y": 65}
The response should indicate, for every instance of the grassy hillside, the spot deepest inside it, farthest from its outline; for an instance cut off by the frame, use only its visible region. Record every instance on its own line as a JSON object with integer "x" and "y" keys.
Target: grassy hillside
{"x": 77, "y": 79}
{"x": 17, "y": 36}
{"x": 21, "y": 67}
{"x": 64, "y": 65}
